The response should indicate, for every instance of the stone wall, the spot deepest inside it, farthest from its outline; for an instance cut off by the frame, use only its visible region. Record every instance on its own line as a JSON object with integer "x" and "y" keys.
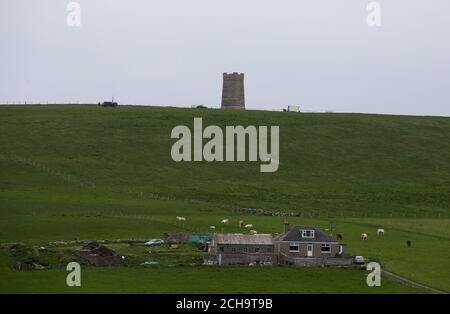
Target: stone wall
{"x": 283, "y": 248}
{"x": 225, "y": 259}
{"x": 314, "y": 261}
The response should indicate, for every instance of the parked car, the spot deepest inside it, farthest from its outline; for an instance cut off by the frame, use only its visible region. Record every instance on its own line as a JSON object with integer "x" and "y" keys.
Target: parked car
{"x": 358, "y": 260}
{"x": 154, "y": 242}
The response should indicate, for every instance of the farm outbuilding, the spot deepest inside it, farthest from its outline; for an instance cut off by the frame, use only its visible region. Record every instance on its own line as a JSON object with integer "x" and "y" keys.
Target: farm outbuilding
{"x": 187, "y": 237}
{"x": 293, "y": 109}
{"x": 176, "y": 237}
{"x": 200, "y": 238}
{"x": 244, "y": 249}
{"x": 100, "y": 255}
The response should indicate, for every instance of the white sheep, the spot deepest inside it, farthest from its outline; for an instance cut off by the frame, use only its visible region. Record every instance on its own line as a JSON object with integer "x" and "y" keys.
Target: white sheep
{"x": 180, "y": 218}
{"x": 380, "y": 232}
{"x": 248, "y": 226}
{"x": 364, "y": 236}
{"x": 225, "y": 221}
{"x": 253, "y": 232}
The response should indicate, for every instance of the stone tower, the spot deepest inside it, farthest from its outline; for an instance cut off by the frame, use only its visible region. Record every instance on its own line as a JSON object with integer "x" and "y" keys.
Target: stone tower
{"x": 233, "y": 96}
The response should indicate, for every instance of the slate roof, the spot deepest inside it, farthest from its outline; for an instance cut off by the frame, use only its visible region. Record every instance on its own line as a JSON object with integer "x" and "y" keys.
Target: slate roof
{"x": 239, "y": 238}
{"x": 295, "y": 235}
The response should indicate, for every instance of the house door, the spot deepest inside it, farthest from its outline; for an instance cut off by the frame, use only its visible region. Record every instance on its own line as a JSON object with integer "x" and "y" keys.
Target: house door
{"x": 309, "y": 250}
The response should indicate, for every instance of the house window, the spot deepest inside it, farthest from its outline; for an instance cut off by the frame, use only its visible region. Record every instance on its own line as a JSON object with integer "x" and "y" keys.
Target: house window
{"x": 326, "y": 248}
{"x": 233, "y": 249}
{"x": 256, "y": 249}
{"x": 308, "y": 233}
{"x": 293, "y": 247}
{"x": 245, "y": 250}
{"x": 221, "y": 248}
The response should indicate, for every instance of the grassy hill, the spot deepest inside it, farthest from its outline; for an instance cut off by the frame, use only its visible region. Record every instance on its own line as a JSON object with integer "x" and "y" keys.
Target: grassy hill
{"x": 86, "y": 172}
{"x": 337, "y": 164}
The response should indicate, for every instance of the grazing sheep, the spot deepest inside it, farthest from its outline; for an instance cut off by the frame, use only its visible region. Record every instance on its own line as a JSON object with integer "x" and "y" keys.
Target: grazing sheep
{"x": 248, "y": 226}
{"x": 225, "y": 221}
{"x": 364, "y": 236}
{"x": 380, "y": 232}
{"x": 253, "y": 232}
{"x": 179, "y": 218}
{"x": 241, "y": 223}
{"x": 212, "y": 227}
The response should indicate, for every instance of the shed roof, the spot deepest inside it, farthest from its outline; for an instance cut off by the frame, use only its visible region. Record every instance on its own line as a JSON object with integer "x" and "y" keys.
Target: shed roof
{"x": 239, "y": 238}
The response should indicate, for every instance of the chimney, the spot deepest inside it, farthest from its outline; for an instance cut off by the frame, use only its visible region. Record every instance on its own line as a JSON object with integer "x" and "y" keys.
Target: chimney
{"x": 286, "y": 227}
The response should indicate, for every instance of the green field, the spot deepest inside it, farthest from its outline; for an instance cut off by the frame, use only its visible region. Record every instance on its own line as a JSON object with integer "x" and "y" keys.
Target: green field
{"x": 198, "y": 280}
{"x": 85, "y": 172}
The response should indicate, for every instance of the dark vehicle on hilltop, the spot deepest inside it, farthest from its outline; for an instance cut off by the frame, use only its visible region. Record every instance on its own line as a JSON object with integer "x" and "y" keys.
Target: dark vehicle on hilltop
{"x": 108, "y": 104}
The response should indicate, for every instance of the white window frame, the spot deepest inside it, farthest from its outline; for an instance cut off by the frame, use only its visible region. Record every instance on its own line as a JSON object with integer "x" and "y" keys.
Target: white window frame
{"x": 294, "y": 244}
{"x": 311, "y": 234}
{"x": 328, "y": 245}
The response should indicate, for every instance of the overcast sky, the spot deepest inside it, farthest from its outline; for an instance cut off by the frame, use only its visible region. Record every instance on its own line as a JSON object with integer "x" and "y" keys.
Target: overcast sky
{"x": 319, "y": 54}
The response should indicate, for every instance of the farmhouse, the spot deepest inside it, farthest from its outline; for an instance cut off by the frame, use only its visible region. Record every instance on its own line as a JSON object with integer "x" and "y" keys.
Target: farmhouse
{"x": 308, "y": 246}
{"x": 245, "y": 249}
{"x": 300, "y": 246}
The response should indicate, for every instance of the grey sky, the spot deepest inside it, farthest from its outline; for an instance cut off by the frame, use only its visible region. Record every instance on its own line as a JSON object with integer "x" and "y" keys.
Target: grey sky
{"x": 319, "y": 54}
